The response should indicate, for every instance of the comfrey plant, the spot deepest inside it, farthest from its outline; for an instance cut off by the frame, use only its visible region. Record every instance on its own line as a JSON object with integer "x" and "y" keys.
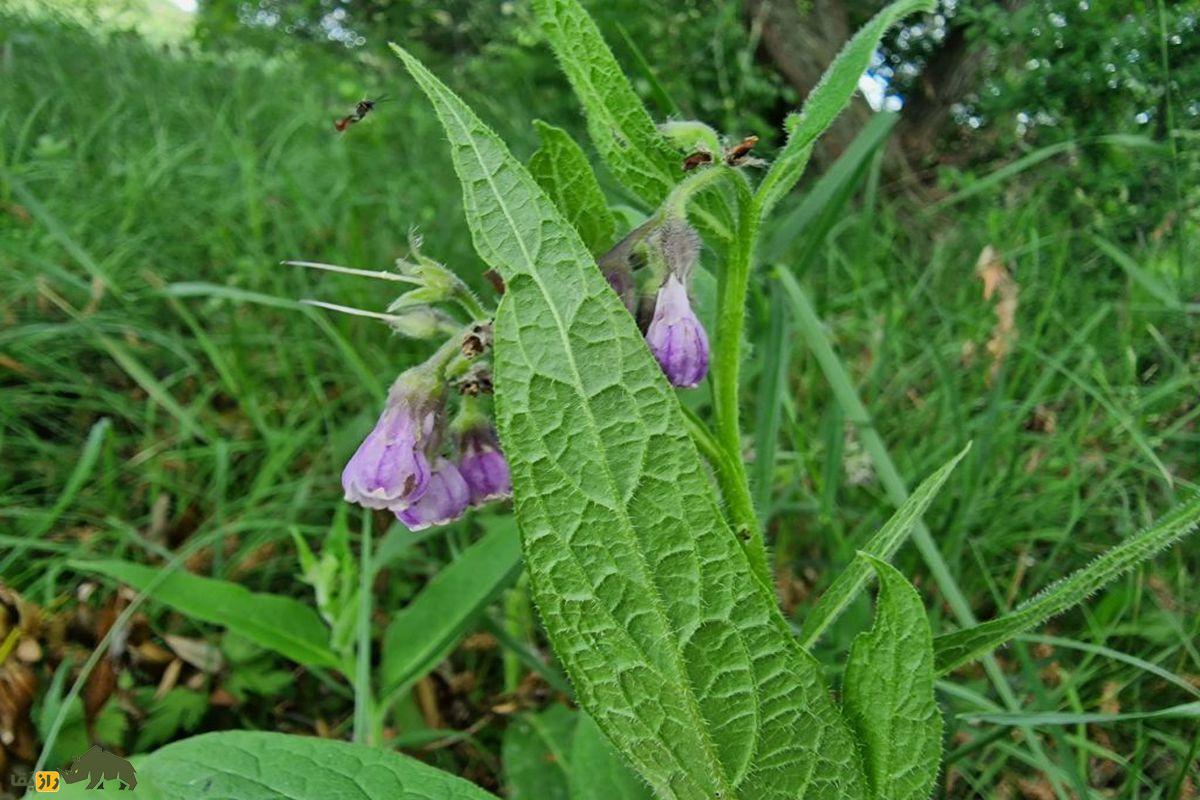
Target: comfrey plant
{"x": 638, "y": 533}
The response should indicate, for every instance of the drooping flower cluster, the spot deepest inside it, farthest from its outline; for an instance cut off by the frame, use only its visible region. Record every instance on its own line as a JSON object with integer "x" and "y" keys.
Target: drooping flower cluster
{"x": 408, "y": 464}
{"x": 400, "y": 465}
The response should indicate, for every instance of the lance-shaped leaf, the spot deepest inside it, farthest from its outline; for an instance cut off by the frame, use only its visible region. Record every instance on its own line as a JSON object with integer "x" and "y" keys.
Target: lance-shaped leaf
{"x": 888, "y": 693}
{"x": 882, "y": 545}
{"x": 618, "y": 124}
{"x": 958, "y": 648}
{"x": 676, "y": 651}
{"x": 827, "y": 99}
{"x": 279, "y": 623}
{"x": 562, "y": 170}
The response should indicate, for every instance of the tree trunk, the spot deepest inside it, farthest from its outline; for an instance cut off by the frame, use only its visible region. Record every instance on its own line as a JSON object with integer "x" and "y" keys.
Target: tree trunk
{"x": 799, "y": 47}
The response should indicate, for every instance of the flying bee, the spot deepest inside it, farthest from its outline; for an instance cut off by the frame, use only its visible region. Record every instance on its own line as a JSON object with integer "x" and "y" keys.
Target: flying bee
{"x": 361, "y": 109}
{"x": 696, "y": 159}
{"x": 739, "y": 154}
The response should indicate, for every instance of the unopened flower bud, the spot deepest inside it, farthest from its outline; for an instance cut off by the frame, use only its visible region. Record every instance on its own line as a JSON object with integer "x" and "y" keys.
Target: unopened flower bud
{"x": 445, "y": 499}
{"x": 390, "y": 469}
{"x": 483, "y": 465}
{"x": 420, "y": 322}
{"x": 691, "y": 136}
{"x": 676, "y": 337}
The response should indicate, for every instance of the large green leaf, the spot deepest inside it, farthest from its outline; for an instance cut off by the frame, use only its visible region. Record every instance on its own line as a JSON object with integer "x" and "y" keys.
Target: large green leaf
{"x": 562, "y": 170}
{"x": 675, "y": 649}
{"x": 883, "y": 545}
{"x": 268, "y": 766}
{"x": 888, "y": 693}
{"x": 958, "y": 648}
{"x": 536, "y": 754}
{"x": 827, "y": 99}
{"x": 275, "y": 622}
{"x": 621, "y": 130}
{"x": 423, "y": 632}
{"x": 597, "y": 770}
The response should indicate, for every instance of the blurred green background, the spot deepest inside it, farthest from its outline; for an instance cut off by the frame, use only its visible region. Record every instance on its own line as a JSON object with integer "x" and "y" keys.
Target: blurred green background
{"x": 161, "y": 388}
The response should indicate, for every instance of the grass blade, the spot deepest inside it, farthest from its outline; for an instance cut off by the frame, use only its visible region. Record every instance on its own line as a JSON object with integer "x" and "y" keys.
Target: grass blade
{"x": 1116, "y": 655}
{"x": 1183, "y": 711}
{"x": 79, "y": 475}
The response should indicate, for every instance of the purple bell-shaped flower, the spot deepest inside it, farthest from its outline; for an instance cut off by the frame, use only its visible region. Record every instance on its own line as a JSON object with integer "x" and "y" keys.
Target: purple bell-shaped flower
{"x": 483, "y": 465}
{"x": 445, "y": 499}
{"x": 676, "y": 337}
{"x": 391, "y": 467}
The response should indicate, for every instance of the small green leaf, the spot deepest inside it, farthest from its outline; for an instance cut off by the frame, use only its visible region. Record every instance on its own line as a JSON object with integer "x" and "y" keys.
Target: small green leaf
{"x": 277, "y": 623}
{"x": 597, "y": 770}
{"x": 536, "y": 754}
{"x": 888, "y": 693}
{"x": 827, "y": 99}
{"x": 883, "y": 545}
{"x": 674, "y": 647}
{"x": 618, "y": 124}
{"x": 268, "y": 766}
{"x": 423, "y": 632}
{"x": 961, "y": 647}
{"x": 562, "y": 170}
{"x": 179, "y": 709}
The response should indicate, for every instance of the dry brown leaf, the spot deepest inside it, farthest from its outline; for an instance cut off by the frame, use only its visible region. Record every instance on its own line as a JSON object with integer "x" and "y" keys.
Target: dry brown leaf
{"x": 427, "y": 702}
{"x": 170, "y": 677}
{"x": 1036, "y": 789}
{"x": 480, "y": 642}
{"x": 1052, "y": 674}
{"x": 998, "y": 282}
{"x": 152, "y": 653}
{"x": 197, "y": 652}
{"x": 222, "y": 698}
{"x": 29, "y": 650}
{"x": 100, "y": 685}
{"x": 1108, "y": 698}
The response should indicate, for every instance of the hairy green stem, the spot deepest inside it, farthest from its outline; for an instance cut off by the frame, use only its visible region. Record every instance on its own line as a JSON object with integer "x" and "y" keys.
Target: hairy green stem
{"x": 363, "y": 699}
{"x": 732, "y": 286}
{"x": 734, "y": 283}
{"x": 731, "y": 478}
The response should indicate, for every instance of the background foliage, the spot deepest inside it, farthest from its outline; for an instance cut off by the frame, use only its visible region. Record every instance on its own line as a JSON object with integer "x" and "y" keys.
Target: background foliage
{"x": 163, "y": 394}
